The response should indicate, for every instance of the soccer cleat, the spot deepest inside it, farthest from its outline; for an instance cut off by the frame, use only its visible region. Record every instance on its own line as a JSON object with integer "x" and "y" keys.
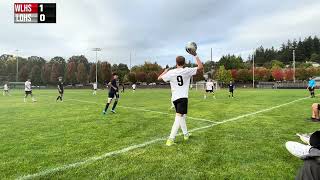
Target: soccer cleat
{"x": 104, "y": 112}
{"x": 170, "y": 142}
{"x": 113, "y": 111}
{"x": 187, "y": 136}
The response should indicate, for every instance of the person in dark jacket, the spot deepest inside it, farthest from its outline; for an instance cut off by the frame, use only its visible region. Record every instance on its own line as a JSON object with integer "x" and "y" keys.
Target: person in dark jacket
{"x": 310, "y": 154}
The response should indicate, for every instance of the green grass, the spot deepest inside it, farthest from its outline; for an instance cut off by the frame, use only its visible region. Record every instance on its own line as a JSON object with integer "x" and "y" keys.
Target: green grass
{"x": 36, "y": 137}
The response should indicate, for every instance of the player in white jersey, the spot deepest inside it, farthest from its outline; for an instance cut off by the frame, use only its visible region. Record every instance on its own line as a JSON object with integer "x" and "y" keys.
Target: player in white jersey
{"x": 28, "y": 90}
{"x": 6, "y": 90}
{"x": 179, "y": 79}
{"x": 209, "y": 88}
{"x": 134, "y": 87}
{"x": 95, "y": 87}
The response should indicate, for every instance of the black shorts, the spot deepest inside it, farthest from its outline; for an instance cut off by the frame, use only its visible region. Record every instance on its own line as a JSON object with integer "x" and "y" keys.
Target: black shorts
{"x": 318, "y": 106}
{"x": 311, "y": 88}
{"x": 113, "y": 94}
{"x": 231, "y": 90}
{"x": 181, "y": 105}
{"x": 210, "y": 91}
{"x": 28, "y": 92}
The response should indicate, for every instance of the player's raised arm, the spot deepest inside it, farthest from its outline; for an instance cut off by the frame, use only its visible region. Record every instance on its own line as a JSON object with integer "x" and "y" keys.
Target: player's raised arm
{"x": 199, "y": 63}
{"x": 162, "y": 74}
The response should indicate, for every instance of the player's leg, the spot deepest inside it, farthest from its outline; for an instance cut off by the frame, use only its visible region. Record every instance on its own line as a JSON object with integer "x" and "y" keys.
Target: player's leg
{"x": 313, "y": 93}
{"x": 111, "y": 95}
{"x": 32, "y": 97}
{"x": 175, "y": 126}
{"x": 61, "y": 96}
{"x": 58, "y": 97}
{"x": 214, "y": 94}
{"x": 174, "y": 130}
{"x": 184, "y": 111}
{"x": 25, "y": 96}
{"x": 115, "y": 104}
{"x": 315, "y": 111}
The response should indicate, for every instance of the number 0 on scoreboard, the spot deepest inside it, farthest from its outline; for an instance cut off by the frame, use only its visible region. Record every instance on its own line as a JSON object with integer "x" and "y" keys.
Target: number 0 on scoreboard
{"x": 34, "y": 12}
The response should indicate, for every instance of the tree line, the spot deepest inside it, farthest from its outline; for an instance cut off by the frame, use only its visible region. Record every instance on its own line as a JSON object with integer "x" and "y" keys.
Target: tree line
{"x": 271, "y": 65}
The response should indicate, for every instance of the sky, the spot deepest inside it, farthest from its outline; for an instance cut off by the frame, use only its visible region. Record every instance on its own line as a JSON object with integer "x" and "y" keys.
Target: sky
{"x": 158, "y": 30}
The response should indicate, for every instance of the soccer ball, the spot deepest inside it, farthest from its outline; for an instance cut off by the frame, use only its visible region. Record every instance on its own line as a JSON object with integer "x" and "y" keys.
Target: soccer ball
{"x": 191, "y": 47}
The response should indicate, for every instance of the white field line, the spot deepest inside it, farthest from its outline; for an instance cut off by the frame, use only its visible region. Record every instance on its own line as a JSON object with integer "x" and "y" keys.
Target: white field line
{"x": 133, "y": 147}
{"x": 140, "y": 109}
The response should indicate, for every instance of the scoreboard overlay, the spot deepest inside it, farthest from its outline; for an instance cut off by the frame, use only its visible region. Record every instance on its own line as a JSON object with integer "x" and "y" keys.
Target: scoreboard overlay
{"x": 35, "y": 12}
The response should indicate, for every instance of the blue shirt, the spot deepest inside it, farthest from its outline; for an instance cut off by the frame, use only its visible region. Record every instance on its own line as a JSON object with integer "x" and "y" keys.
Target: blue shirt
{"x": 312, "y": 83}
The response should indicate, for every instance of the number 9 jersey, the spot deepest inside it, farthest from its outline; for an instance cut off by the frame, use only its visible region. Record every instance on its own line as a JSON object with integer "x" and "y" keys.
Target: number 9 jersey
{"x": 179, "y": 79}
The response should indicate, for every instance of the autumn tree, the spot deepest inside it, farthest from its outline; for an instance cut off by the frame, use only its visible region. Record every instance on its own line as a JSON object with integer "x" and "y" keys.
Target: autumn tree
{"x": 81, "y": 73}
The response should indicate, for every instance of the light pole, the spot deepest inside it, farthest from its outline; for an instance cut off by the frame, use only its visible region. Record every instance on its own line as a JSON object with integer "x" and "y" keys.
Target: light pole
{"x": 253, "y": 70}
{"x": 294, "y": 65}
{"x": 17, "y": 64}
{"x": 96, "y": 50}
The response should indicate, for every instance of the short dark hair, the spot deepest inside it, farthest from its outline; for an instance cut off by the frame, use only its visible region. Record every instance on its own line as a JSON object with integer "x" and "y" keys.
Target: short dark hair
{"x": 180, "y": 60}
{"x": 114, "y": 74}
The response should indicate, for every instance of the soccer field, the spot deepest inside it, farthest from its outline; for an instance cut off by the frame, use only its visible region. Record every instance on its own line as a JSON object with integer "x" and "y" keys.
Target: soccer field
{"x": 240, "y": 138}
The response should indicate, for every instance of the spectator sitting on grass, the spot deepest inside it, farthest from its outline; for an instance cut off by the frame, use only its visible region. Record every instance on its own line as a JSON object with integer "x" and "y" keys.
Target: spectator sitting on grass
{"x": 315, "y": 112}
{"x": 310, "y": 154}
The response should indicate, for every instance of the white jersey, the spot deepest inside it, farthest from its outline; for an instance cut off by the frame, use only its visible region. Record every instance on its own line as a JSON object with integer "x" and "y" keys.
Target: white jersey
{"x": 209, "y": 86}
{"x": 94, "y": 86}
{"x": 180, "y": 81}
{"x": 27, "y": 86}
{"x": 5, "y": 87}
{"x": 133, "y": 86}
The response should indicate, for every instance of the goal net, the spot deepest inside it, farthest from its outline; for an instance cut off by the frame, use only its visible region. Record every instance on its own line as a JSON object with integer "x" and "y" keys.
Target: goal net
{"x": 201, "y": 85}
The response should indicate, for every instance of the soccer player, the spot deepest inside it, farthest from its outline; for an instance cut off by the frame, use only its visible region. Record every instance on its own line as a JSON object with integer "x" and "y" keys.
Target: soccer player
{"x": 209, "y": 89}
{"x": 60, "y": 90}
{"x": 113, "y": 93}
{"x": 179, "y": 79}
{"x": 133, "y": 87}
{"x": 311, "y": 87}
{"x": 231, "y": 89}
{"x": 95, "y": 87}
{"x": 28, "y": 90}
{"x": 6, "y": 90}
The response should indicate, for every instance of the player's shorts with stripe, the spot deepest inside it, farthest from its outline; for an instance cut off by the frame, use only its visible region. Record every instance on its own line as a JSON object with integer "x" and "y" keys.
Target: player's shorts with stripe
{"x": 113, "y": 94}
{"x": 28, "y": 92}
{"x": 210, "y": 91}
{"x": 181, "y": 105}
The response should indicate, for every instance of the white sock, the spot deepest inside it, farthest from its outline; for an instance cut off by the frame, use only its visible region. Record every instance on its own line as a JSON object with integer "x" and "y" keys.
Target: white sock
{"x": 175, "y": 127}
{"x": 204, "y": 97}
{"x": 24, "y": 99}
{"x": 183, "y": 125}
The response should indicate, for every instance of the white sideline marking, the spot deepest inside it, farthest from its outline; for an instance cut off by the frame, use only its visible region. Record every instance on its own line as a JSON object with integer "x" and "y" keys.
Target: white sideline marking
{"x": 133, "y": 147}
{"x": 142, "y": 109}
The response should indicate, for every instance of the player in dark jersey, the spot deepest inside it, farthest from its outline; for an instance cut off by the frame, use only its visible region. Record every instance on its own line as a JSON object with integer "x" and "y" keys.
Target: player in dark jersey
{"x": 113, "y": 93}
{"x": 231, "y": 89}
{"x": 60, "y": 90}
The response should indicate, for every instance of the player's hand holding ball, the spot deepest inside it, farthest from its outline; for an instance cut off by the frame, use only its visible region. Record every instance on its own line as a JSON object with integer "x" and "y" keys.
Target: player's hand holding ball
{"x": 191, "y": 48}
